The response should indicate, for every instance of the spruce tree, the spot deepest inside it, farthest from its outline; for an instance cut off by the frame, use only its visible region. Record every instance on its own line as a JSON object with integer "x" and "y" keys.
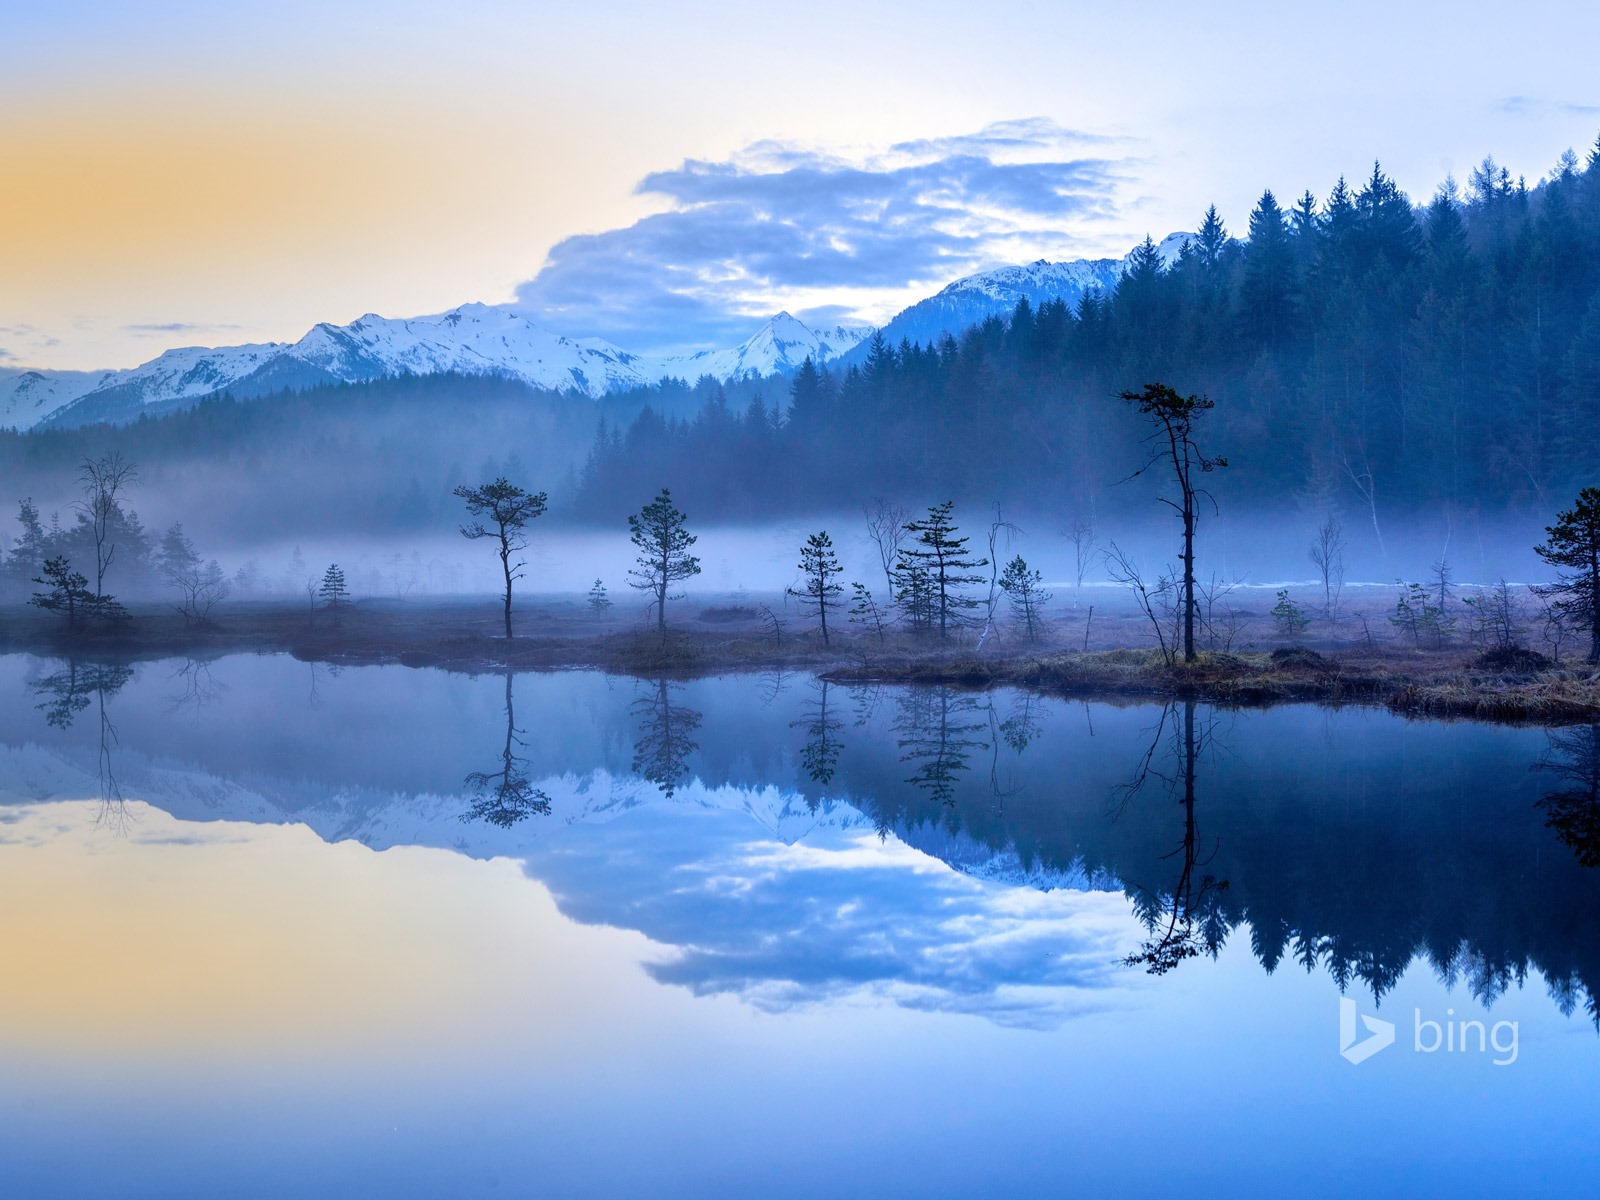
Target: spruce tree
{"x": 659, "y": 531}
{"x": 941, "y": 558}
{"x": 820, "y": 591}
{"x": 66, "y": 592}
{"x": 333, "y": 592}
{"x": 1025, "y": 588}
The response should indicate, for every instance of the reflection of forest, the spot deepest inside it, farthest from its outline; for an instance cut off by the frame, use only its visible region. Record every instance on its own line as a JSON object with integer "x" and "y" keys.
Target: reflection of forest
{"x": 1358, "y": 866}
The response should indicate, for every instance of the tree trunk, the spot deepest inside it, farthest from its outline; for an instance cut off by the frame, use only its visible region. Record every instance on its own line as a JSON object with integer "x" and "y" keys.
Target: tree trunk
{"x": 505, "y": 566}
{"x": 1188, "y": 574}
{"x": 1594, "y": 603}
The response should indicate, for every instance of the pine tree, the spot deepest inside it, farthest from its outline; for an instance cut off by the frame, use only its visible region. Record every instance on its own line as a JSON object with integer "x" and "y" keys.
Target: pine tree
{"x": 67, "y": 592}
{"x": 1573, "y": 544}
{"x": 509, "y": 509}
{"x": 1024, "y": 587}
{"x": 659, "y": 531}
{"x": 864, "y": 610}
{"x": 819, "y": 567}
{"x": 944, "y": 566}
{"x": 333, "y": 591}
{"x": 599, "y": 602}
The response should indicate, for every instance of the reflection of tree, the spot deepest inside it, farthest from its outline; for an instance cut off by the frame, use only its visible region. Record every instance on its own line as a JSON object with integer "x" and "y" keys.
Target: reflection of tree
{"x": 1186, "y": 920}
{"x": 1574, "y": 812}
{"x": 1022, "y": 722}
{"x": 505, "y": 797}
{"x": 68, "y": 693}
{"x": 200, "y": 690}
{"x": 936, "y": 725}
{"x": 820, "y": 755}
{"x": 665, "y": 740}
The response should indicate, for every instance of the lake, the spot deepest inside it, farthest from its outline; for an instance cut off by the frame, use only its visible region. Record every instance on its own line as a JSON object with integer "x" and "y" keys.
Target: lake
{"x": 273, "y": 928}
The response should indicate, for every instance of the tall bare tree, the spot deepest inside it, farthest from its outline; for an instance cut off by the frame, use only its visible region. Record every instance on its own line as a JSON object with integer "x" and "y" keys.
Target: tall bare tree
{"x": 1327, "y": 553}
{"x": 886, "y": 526}
{"x": 102, "y": 480}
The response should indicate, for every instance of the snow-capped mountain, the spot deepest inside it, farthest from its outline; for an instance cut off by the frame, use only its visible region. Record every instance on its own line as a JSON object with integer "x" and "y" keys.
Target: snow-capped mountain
{"x": 975, "y": 298}
{"x": 474, "y": 339}
{"x": 782, "y": 344}
{"x": 482, "y": 339}
{"x": 28, "y": 396}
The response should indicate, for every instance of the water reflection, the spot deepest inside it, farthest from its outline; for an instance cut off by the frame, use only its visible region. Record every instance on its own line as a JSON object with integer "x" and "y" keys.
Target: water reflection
{"x": 819, "y": 757}
{"x": 936, "y": 728}
{"x": 665, "y": 736}
{"x": 1574, "y": 812}
{"x": 832, "y": 842}
{"x": 1184, "y": 920}
{"x": 66, "y": 693}
{"x": 505, "y": 796}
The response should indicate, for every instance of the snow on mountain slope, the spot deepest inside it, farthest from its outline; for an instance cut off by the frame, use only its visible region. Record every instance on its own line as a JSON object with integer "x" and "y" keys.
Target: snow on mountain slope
{"x": 968, "y": 301}
{"x": 28, "y": 397}
{"x": 481, "y": 339}
{"x": 475, "y": 339}
{"x": 782, "y": 344}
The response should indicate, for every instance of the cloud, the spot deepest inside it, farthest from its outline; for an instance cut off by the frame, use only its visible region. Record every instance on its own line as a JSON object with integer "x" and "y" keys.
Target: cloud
{"x": 1534, "y": 106}
{"x": 780, "y": 225}
{"x": 159, "y": 330}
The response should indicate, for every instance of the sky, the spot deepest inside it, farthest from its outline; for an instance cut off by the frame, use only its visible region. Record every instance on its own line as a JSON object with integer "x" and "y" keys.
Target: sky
{"x": 667, "y": 175}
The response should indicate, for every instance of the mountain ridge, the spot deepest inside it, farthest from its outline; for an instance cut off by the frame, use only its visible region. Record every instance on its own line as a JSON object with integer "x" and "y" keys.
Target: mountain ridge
{"x": 482, "y": 339}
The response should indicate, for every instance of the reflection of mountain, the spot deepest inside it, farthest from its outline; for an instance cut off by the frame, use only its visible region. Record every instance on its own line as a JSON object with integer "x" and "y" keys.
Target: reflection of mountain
{"x": 1350, "y": 840}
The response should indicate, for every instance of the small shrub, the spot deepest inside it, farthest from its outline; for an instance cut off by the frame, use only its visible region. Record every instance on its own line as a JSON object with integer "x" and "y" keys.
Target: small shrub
{"x": 1291, "y": 618}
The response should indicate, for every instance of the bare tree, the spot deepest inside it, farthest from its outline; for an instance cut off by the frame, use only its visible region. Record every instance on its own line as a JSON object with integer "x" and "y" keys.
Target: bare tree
{"x": 1443, "y": 578}
{"x": 1368, "y": 487}
{"x": 1000, "y": 530}
{"x": 886, "y": 526}
{"x": 1327, "y": 552}
{"x": 1496, "y": 615}
{"x": 1150, "y": 598}
{"x": 102, "y": 480}
{"x": 1081, "y": 534}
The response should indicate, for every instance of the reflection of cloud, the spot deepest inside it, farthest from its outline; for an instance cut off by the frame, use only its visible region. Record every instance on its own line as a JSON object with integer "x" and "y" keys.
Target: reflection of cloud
{"x": 780, "y": 225}
{"x": 846, "y": 912}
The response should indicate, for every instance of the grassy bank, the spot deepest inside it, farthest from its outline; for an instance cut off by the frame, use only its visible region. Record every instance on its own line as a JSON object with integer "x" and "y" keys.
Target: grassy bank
{"x": 1450, "y": 681}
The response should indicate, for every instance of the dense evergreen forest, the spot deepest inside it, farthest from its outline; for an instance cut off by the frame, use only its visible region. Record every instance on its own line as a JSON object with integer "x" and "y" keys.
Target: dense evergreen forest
{"x": 1365, "y": 353}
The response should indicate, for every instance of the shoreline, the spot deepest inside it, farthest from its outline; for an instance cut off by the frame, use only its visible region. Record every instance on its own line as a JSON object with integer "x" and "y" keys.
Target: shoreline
{"x": 1448, "y": 683}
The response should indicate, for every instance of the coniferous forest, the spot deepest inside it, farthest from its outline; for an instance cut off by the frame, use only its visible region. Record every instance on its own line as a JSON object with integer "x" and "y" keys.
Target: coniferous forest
{"x": 1365, "y": 352}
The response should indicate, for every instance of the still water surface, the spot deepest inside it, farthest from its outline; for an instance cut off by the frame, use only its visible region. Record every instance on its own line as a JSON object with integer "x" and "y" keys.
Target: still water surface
{"x": 272, "y": 929}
